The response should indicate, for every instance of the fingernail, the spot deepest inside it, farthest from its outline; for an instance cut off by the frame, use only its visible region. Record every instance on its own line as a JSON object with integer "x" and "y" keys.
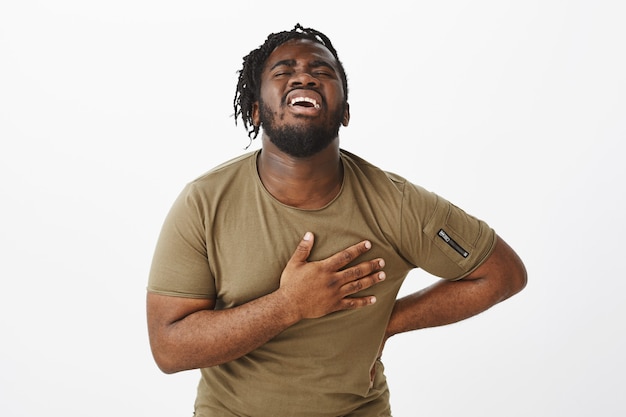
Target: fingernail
{"x": 382, "y": 276}
{"x": 307, "y": 236}
{"x": 381, "y": 263}
{"x": 368, "y": 244}
{"x": 372, "y": 300}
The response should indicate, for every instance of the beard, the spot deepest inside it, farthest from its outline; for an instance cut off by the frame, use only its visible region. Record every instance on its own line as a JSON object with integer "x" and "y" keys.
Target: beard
{"x": 300, "y": 141}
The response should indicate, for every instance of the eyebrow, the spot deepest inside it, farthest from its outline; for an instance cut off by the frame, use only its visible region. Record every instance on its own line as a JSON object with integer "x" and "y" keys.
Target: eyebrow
{"x": 292, "y": 63}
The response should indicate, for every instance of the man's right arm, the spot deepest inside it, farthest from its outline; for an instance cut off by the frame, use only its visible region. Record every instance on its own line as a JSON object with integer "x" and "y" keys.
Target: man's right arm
{"x": 187, "y": 333}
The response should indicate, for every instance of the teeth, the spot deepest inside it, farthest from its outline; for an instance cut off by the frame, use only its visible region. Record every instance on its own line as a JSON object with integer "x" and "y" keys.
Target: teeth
{"x": 306, "y": 99}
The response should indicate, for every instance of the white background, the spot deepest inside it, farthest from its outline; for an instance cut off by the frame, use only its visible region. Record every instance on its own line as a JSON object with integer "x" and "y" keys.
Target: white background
{"x": 512, "y": 110}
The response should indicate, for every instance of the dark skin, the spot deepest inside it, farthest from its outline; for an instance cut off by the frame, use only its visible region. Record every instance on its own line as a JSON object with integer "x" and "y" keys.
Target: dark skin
{"x": 189, "y": 333}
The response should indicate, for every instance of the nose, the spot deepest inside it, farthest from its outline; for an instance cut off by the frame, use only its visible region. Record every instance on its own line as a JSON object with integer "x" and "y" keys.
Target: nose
{"x": 303, "y": 79}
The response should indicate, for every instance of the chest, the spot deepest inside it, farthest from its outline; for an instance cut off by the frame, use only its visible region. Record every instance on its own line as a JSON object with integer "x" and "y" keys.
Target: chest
{"x": 249, "y": 247}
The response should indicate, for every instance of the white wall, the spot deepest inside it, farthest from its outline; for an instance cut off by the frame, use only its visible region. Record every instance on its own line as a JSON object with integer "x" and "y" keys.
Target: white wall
{"x": 513, "y": 110}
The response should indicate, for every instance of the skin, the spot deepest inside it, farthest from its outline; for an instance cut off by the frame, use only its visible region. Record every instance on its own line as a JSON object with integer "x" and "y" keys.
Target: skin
{"x": 189, "y": 333}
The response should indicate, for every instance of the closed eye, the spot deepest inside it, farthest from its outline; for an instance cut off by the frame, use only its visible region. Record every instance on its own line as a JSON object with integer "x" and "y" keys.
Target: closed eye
{"x": 323, "y": 69}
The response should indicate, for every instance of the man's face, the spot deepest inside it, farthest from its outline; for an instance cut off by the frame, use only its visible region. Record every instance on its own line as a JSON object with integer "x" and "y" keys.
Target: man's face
{"x": 302, "y": 102}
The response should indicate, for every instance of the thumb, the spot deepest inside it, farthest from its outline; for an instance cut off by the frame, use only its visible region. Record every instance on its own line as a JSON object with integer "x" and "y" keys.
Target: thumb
{"x": 303, "y": 250}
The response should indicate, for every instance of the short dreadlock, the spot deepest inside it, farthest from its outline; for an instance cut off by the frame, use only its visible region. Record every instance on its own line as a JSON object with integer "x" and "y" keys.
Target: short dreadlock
{"x": 249, "y": 83}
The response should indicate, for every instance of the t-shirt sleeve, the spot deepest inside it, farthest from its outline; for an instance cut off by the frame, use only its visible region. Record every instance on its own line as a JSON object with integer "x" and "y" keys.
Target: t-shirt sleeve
{"x": 441, "y": 238}
{"x": 180, "y": 264}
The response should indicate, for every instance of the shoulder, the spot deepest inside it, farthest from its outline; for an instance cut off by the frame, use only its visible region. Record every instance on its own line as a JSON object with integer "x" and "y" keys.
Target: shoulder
{"x": 228, "y": 168}
{"x": 378, "y": 179}
{"x": 223, "y": 177}
{"x": 203, "y": 192}
{"x": 365, "y": 169}
{"x": 392, "y": 191}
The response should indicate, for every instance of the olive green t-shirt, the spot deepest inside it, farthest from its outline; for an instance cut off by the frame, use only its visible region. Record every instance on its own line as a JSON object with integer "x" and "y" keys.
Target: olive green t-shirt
{"x": 228, "y": 239}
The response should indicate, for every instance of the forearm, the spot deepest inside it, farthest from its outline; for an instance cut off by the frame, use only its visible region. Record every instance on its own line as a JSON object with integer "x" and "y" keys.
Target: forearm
{"x": 502, "y": 275}
{"x": 210, "y": 337}
{"x": 442, "y": 303}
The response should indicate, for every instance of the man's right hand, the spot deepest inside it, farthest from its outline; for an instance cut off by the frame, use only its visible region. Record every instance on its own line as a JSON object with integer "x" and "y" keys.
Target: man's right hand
{"x": 188, "y": 333}
{"x": 318, "y": 288}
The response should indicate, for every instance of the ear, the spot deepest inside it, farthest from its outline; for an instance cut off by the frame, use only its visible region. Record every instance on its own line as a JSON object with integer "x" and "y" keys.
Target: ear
{"x": 346, "y": 115}
{"x": 256, "y": 117}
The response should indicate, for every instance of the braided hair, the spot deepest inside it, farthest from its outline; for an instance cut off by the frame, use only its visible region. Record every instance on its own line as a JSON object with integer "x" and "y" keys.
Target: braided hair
{"x": 249, "y": 82}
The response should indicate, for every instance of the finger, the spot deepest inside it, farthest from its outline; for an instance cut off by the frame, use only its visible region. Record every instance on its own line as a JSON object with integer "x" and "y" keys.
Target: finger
{"x": 344, "y": 257}
{"x": 361, "y": 270}
{"x": 357, "y": 302}
{"x": 355, "y": 286}
{"x": 303, "y": 250}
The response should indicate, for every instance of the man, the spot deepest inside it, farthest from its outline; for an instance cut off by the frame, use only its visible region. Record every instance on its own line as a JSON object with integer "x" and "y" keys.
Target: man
{"x": 277, "y": 273}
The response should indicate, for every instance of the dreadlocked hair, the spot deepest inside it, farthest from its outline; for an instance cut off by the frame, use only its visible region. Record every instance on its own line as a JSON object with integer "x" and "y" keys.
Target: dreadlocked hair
{"x": 249, "y": 82}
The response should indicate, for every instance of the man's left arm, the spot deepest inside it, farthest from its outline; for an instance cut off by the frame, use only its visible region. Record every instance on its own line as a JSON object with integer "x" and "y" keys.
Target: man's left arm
{"x": 499, "y": 277}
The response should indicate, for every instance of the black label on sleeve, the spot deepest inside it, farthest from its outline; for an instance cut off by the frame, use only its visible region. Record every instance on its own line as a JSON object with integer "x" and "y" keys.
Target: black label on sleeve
{"x": 443, "y": 235}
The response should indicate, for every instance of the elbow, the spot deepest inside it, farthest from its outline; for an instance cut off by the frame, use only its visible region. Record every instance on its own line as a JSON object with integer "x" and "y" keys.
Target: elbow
{"x": 511, "y": 269}
{"x": 520, "y": 282}
{"x": 165, "y": 356}
{"x": 517, "y": 278}
{"x": 168, "y": 370}
{"x": 165, "y": 366}
{"x": 520, "y": 275}
{"x": 165, "y": 362}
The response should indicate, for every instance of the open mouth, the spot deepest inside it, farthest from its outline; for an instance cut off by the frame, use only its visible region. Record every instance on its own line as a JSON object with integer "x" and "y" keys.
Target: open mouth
{"x": 304, "y": 102}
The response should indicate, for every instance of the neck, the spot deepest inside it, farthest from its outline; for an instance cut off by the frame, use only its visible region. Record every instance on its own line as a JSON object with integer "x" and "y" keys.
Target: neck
{"x": 308, "y": 183}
